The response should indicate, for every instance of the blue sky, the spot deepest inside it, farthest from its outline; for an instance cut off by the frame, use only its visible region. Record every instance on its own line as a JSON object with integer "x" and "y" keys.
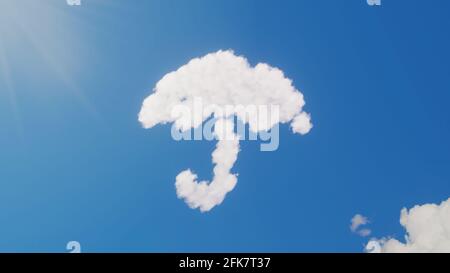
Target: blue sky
{"x": 77, "y": 165}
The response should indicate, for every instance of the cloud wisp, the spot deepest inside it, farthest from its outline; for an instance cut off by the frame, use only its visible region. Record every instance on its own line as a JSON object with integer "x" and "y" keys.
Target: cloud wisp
{"x": 356, "y": 222}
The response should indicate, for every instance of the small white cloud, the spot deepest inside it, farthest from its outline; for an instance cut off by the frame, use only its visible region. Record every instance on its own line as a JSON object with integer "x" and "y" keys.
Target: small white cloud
{"x": 427, "y": 230}
{"x": 356, "y": 222}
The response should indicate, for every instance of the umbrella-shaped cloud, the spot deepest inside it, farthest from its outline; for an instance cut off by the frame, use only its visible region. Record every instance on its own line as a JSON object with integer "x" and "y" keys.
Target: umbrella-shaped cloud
{"x": 220, "y": 80}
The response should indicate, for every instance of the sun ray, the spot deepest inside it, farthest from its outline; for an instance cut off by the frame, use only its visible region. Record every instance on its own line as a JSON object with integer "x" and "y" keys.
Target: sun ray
{"x": 5, "y": 73}
{"x": 51, "y": 20}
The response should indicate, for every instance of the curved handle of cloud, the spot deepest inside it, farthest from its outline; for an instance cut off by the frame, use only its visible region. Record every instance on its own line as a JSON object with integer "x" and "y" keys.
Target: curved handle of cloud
{"x": 205, "y": 195}
{"x": 220, "y": 79}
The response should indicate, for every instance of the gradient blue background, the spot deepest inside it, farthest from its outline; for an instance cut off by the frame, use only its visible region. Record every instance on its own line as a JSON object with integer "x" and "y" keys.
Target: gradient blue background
{"x": 75, "y": 163}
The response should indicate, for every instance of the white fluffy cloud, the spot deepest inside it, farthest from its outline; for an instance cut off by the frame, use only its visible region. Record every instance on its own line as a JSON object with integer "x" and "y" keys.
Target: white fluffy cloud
{"x": 427, "y": 230}
{"x": 221, "y": 79}
{"x": 356, "y": 222}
